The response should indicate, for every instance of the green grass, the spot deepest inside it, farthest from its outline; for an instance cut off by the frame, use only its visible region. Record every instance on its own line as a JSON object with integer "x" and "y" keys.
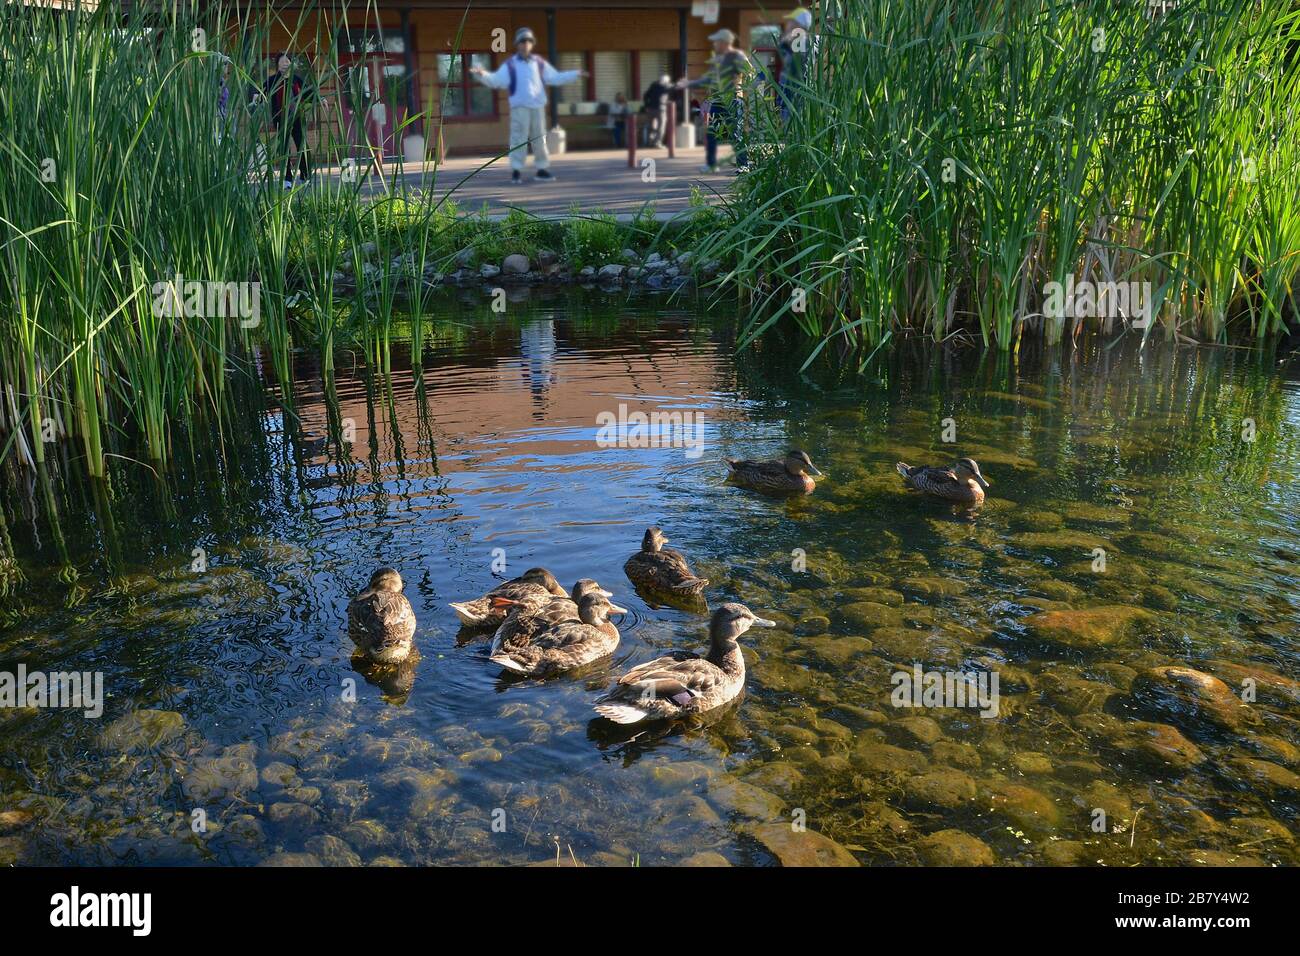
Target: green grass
{"x": 952, "y": 158}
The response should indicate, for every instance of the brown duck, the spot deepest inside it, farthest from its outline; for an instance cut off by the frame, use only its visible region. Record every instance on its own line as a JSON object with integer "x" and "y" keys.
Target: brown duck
{"x": 523, "y": 622}
{"x": 662, "y": 570}
{"x": 962, "y": 482}
{"x": 683, "y": 683}
{"x": 792, "y": 474}
{"x": 381, "y": 621}
{"x": 532, "y": 589}
{"x": 565, "y": 646}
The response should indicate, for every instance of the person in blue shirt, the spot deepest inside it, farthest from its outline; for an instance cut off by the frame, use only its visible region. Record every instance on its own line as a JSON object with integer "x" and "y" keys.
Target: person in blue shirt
{"x": 526, "y": 77}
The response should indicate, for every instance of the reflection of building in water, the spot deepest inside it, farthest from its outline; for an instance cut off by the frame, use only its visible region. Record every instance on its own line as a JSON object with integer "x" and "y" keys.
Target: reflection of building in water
{"x": 537, "y": 349}
{"x": 480, "y": 399}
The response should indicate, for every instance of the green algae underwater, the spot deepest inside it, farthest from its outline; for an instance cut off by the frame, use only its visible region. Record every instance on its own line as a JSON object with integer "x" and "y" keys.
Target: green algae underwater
{"x": 237, "y": 728}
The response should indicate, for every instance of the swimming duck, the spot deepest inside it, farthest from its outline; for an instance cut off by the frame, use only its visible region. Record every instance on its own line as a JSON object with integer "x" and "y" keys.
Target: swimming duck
{"x": 380, "y": 619}
{"x": 564, "y": 646}
{"x": 532, "y": 588}
{"x": 684, "y": 683}
{"x": 792, "y": 474}
{"x": 523, "y": 622}
{"x": 662, "y": 570}
{"x": 962, "y": 482}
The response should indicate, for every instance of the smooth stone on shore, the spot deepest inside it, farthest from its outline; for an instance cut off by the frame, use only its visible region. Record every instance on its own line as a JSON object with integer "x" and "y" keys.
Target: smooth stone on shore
{"x": 1087, "y": 629}
{"x": 516, "y": 264}
{"x": 142, "y": 730}
{"x": 801, "y": 847}
{"x": 954, "y": 848}
{"x": 1192, "y": 698}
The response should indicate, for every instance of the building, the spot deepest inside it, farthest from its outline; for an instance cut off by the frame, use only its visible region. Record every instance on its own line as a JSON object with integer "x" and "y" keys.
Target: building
{"x": 410, "y": 57}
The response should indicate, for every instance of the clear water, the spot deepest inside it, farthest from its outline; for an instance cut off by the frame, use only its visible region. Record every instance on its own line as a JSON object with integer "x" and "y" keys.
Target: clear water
{"x": 227, "y": 689}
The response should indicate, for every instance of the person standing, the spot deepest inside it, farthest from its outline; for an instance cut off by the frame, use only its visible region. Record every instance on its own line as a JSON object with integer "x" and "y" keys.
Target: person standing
{"x": 616, "y": 119}
{"x": 287, "y": 93}
{"x": 526, "y": 77}
{"x": 656, "y": 108}
{"x": 795, "y": 49}
{"x": 725, "y": 81}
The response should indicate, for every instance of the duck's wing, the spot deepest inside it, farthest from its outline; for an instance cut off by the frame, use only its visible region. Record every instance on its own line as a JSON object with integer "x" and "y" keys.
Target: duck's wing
{"x": 937, "y": 481}
{"x": 382, "y": 611}
{"x": 679, "y": 680}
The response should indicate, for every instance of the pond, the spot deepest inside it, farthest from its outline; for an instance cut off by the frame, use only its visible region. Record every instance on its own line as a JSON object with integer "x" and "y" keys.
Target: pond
{"x": 1142, "y": 516}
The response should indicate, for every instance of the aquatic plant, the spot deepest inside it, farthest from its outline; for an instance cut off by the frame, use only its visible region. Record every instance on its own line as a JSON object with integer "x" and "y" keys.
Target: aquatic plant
{"x": 949, "y": 160}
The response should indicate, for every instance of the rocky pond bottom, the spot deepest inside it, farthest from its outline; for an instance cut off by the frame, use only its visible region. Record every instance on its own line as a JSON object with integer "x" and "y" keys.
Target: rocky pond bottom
{"x": 1131, "y": 581}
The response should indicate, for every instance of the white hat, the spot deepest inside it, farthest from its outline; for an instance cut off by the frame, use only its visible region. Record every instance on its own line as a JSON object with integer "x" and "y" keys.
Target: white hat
{"x": 723, "y": 34}
{"x": 522, "y": 34}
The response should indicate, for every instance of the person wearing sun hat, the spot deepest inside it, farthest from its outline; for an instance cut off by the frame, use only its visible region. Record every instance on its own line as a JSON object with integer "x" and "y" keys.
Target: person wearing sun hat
{"x": 795, "y": 48}
{"x": 526, "y": 77}
{"x": 725, "y": 81}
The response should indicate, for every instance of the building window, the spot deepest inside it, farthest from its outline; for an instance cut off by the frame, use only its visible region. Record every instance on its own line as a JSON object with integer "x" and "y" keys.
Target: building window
{"x": 575, "y": 92}
{"x": 611, "y": 72}
{"x": 653, "y": 65}
{"x": 462, "y": 95}
{"x": 361, "y": 40}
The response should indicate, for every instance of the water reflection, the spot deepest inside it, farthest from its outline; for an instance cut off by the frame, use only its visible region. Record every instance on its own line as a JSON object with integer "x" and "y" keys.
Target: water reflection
{"x": 229, "y": 686}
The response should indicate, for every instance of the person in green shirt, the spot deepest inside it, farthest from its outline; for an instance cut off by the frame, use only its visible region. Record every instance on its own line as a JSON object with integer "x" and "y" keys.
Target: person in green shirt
{"x": 725, "y": 81}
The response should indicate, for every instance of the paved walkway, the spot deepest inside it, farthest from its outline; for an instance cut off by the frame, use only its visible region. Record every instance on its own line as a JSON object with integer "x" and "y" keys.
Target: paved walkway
{"x": 591, "y": 180}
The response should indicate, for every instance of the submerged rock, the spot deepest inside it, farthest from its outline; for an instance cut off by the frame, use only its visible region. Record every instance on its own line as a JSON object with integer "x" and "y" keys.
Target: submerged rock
{"x": 1026, "y": 807}
{"x": 142, "y": 730}
{"x": 1088, "y": 629}
{"x": 954, "y": 848}
{"x": 1191, "y": 698}
{"x": 945, "y": 787}
{"x": 801, "y": 847}
{"x": 706, "y": 858}
{"x": 332, "y": 851}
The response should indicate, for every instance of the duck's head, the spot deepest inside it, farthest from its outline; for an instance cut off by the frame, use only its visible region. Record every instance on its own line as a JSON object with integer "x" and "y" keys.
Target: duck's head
{"x": 654, "y": 539}
{"x": 731, "y": 620}
{"x": 545, "y": 578}
{"x": 587, "y": 586}
{"x": 386, "y": 579}
{"x": 967, "y": 468}
{"x": 798, "y": 463}
{"x": 595, "y": 609}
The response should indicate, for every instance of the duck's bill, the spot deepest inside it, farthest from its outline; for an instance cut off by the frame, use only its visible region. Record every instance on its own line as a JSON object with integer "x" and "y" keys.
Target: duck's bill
{"x": 814, "y": 470}
{"x": 619, "y": 610}
{"x": 764, "y": 622}
{"x": 984, "y": 482}
{"x": 603, "y": 593}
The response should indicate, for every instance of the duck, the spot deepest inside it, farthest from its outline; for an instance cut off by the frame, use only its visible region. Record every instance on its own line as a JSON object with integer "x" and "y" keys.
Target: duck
{"x": 564, "y": 646}
{"x": 662, "y": 570}
{"x": 684, "y": 683}
{"x": 792, "y": 474}
{"x": 523, "y": 622}
{"x": 381, "y": 621}
{"x": 533, "y": 588}
{"x": 962, "y": 482}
